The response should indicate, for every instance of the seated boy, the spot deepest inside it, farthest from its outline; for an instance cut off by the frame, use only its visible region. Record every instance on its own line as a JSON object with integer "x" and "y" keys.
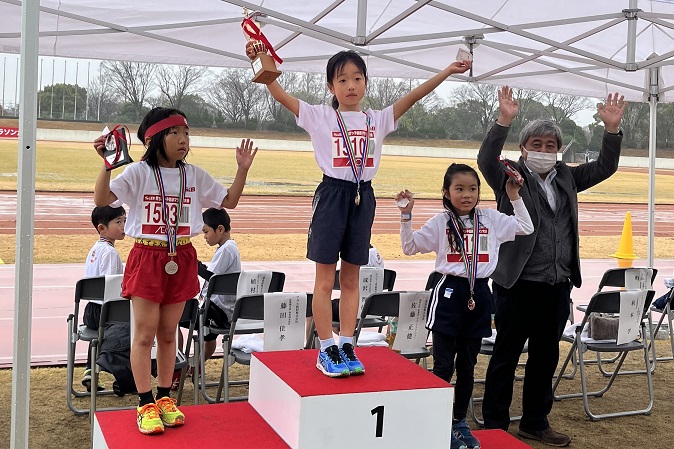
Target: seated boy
{"x": 227, "y": 259}
{"x": 102, "y": 259}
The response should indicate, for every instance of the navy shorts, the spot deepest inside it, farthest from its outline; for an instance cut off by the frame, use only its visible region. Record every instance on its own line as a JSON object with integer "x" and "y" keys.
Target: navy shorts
{"x": 338, "y": 227}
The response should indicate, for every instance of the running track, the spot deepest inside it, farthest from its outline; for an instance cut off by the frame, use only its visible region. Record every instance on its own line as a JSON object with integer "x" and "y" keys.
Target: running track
{"x": 69, "y": 214}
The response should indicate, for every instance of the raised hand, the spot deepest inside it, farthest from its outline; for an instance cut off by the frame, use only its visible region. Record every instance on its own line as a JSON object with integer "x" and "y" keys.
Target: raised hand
{"x": 612, "y": 112}
{"x": 512, "y": 189}
{"x": 245, "y": 154}
{"x": 99, "y": 145}
{"x": 406, "y": 198}
{"x": 460, "y": 66}
{"x": 507, "y": 106}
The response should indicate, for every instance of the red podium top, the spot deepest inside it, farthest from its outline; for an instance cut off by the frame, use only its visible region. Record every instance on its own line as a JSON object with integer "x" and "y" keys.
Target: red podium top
{"x": 385, "y": 370}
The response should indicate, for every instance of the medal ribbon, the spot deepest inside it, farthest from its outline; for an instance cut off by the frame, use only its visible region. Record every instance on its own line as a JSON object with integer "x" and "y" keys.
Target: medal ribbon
{"x": 252, "y": 30}
{"x": 349, "y": 147}
{"x": 470, "y": 265}
{"x": 171, "y": 231}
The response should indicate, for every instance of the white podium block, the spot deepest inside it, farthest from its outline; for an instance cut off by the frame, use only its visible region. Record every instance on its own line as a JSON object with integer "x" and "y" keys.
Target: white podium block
{"x": 396, "y": 403}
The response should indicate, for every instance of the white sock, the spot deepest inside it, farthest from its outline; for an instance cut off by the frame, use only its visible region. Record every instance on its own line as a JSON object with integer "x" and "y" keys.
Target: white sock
{"x": 325, "y": 344}
{"x": 343, "y": 339}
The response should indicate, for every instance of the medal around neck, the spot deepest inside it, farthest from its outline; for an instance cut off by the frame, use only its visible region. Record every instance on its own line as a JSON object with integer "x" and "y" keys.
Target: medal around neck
{"x": 171, "y": 267}
{"x": 117, "y": 145}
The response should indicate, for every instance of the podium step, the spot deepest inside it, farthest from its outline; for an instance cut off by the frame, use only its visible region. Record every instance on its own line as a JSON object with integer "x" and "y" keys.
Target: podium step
{"x": 234, "y": 425}
{"x": 396, "y": 403}
{"x": 498, "y": 439}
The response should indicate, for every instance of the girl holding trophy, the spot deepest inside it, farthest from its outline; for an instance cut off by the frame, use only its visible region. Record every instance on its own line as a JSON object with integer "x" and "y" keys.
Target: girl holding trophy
{"x": 165, "y": 196}
{"x": 347, "y": 145}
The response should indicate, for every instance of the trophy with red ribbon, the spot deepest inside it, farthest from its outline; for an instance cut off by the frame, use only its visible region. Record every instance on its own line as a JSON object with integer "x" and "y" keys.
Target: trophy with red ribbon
{"x": 258, "y": 49}
{"x": 117, "y": 145}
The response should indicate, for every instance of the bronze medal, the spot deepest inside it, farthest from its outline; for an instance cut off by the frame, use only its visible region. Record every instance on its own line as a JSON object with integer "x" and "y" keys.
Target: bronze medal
{"x": 471, "y": 303}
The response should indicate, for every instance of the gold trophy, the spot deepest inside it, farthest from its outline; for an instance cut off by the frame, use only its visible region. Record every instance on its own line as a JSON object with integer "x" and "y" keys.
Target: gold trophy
{"x": 257, "y": 48}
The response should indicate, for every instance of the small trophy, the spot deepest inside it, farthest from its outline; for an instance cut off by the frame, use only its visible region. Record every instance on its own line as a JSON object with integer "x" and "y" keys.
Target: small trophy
{"x": 117, "y": 144}
{"x": 263, "y": 64}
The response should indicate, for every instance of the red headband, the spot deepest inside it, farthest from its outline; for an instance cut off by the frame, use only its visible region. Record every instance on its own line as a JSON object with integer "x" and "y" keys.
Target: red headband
{"x": 169, "y": 122}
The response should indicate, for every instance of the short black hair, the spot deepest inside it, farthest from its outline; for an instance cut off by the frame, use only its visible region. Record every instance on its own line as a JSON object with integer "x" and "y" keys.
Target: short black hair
{"x": 215, "y": 217}
{"x": 337, "y": 63}
{"x": 105, "y": 214}
{"x": 156, "y": 145}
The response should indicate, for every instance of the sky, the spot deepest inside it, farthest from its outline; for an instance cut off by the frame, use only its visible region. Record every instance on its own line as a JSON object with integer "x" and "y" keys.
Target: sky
{"x": 82, "y": 71}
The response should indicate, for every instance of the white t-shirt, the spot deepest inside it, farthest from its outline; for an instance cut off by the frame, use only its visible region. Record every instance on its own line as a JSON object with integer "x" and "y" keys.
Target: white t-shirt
{"x": 226, "y": 259}
{"x": 136, "y": 187}
{"x": 320, "y": 121}
{"x": 495, "y": 228}
{"x": 375, "y": 259}
{"x": 102, "y": 259}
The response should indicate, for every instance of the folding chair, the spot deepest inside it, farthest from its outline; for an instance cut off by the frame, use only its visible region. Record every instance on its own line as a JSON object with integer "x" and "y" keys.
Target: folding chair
{"x": 373, "y": 321}
{"x": 250, "y": 307}
{"x": 614, "y": 279}
{"x": 190, "y": 314}
{"x": 608, "y": 302}
{"x": 387, "y": 304}
{"x": 665, "y": 312}
{"x": 87, "y": 289}
{"x": 224, "y": 284}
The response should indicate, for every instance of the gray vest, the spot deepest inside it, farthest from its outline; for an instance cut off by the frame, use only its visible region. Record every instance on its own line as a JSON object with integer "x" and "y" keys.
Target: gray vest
{"x": 553, "y": 252}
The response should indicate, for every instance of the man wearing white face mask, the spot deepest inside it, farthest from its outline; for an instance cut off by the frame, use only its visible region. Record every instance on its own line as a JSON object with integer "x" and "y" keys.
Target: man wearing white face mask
{"x": 535, "y": 273}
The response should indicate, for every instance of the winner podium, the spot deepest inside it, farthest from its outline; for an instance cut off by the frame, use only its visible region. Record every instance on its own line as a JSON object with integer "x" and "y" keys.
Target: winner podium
{"x": 395, "y": 404}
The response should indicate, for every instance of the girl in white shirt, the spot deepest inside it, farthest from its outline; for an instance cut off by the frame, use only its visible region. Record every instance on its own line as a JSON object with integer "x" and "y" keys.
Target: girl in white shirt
{"x": 165, "y": 197}
{"x": 459, "y": 313}
{"x": 347, "y": 145}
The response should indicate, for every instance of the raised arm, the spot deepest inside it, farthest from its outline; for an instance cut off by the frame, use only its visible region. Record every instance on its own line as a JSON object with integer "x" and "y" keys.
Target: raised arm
{"x": 288, "y": 101}
{"x": 102, "y": 194}
{"x": 405, "y": 103}
{"x": 244, "y": 159}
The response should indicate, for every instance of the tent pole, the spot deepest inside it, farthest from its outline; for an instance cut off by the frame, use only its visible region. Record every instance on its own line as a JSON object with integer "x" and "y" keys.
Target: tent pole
{"x": 631, "y": 16}
{"x": 25, "y": 214}
{"x": 652, "y": 139}
{"x": 361, "y": 23}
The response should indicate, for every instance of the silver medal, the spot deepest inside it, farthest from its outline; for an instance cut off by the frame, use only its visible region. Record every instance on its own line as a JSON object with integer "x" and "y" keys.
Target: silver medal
{"x": 171, "y": 267}
{"x": 357, "y": 198}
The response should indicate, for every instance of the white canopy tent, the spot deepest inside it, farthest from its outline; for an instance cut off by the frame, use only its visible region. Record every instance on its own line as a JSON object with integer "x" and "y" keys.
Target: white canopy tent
{"x": 574, "y": 47}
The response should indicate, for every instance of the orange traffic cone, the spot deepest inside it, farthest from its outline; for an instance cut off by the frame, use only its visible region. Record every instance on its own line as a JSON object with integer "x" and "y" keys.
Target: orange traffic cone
{"x": 625, "y": 253}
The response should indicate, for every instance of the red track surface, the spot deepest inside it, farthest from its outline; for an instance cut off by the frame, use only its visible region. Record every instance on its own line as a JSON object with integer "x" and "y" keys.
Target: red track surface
{"x": 68, "y": 213}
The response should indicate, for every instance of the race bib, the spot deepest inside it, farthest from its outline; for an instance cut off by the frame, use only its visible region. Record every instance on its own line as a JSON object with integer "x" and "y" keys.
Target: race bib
{"x": 482, "y": 250}
{"x": 358, "y": 138}
{"x": 154, "y": 222}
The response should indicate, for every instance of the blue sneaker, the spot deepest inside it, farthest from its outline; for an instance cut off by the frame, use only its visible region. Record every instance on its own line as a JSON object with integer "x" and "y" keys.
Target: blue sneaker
{"x": 461, "y": 430}
{"x": 330, "y": 363}
{"x": 456, "y": 443}
{"x": 350, "y": 359}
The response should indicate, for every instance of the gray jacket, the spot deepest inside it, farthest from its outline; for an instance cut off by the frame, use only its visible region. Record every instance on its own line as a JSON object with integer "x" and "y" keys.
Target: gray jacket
{"x": 514, "y": 255}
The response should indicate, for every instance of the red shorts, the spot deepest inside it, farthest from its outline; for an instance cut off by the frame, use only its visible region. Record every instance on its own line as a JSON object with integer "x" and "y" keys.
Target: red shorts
{"x": 145, "y": 276}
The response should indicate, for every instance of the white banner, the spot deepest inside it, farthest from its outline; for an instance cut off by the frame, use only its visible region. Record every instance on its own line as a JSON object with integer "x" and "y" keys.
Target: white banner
{"x": 412, "y": 333}
{"x": 371, "y": 281}
{"x": 253, "y": 282}
{"x": 284, "y": 321}
{"x": 113, "y": 286}
{"x": 631, "y": 311}
{"x": 638, "y": 279}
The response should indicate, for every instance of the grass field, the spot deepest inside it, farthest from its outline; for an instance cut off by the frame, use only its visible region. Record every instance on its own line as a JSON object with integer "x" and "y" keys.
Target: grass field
{"x": 65, "y": 166}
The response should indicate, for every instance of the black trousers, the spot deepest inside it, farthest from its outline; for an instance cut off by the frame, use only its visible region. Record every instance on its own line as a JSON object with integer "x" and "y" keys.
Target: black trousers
{"x": 537, "y": 311}
{"x": 445, "y": 349}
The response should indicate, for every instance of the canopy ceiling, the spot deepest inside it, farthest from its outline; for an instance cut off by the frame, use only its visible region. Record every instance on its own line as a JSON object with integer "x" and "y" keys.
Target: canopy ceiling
{"x": 586, "y": 48}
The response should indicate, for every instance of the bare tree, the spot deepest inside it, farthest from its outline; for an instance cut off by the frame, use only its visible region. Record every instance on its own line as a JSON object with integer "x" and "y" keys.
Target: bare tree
{"x": 177, "y": 82}
{"x": 235, "y": 96}
{"x": 478, "y": 100}
{"x": 530, "y": 108}
{"x": 561, "y": 107}
{"x": 101, "y": 104}
{"x": 383, "y": 92}
{"x": 132, "y": 81}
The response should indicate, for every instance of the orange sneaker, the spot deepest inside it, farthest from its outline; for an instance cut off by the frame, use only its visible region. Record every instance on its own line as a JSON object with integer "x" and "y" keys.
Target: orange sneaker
{"x": 169, "y": 413}
{"x": 149, "y": 420}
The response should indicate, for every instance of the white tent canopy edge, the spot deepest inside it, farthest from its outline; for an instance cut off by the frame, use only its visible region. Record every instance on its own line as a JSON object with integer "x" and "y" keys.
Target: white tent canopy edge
{"x": 611, "y": 46}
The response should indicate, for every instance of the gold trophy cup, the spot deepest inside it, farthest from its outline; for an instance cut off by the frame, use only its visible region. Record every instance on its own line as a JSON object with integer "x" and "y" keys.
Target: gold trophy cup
{"x": 257, "y": 49}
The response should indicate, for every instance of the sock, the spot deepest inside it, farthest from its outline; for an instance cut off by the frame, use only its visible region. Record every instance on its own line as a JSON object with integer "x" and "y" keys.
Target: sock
{"x": 145, "y": 398}
{"x": 163, "y": 392}
{"x": 343, "y": 339}
{"x": 325, "y": 344}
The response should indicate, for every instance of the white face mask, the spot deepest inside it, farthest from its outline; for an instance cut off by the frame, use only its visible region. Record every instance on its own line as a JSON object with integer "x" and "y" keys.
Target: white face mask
{"x": 540, "y": 162}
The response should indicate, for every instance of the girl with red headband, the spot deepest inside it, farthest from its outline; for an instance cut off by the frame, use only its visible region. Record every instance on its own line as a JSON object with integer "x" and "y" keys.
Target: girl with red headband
{"x": 165, "y": 196}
